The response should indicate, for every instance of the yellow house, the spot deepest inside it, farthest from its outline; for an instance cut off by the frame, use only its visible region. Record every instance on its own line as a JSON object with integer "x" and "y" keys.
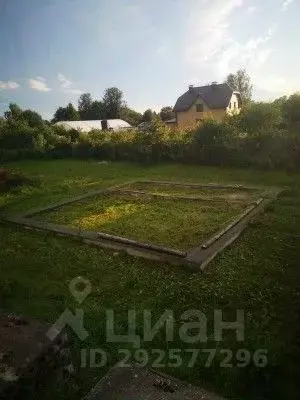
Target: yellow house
{"x": 215, "y": 100}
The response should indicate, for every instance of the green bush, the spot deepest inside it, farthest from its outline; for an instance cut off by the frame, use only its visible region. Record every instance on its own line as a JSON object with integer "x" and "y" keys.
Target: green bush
{"x": 18, "y": 135}
{"x": 258, "y": 119}
{"x": 291, "y": 110}
{"x": 262, "y": 135}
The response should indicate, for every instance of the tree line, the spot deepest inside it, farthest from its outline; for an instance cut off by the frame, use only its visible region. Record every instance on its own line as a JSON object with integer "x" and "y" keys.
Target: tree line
{"x": 111, "y": 106}
{"x": 114, "y": 106}
{"x": 264, "y": 134}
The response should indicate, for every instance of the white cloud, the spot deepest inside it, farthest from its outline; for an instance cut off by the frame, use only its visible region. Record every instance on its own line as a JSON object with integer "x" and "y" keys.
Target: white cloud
{"x": 38, "y": 84}
{"x": 286, "y": 4}
{"x": 208, "y": 28}
{"x": 251, "y": 55}
{"x": 212, "y": 49}
{"x": 10, "y": 85}
{"x": 67, "y": 85}
{"x": 213, "y": 46}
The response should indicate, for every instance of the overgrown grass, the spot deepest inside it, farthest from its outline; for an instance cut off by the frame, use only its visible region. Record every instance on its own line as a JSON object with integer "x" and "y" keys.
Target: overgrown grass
{"x": 213, "y": 194}
{"x": 259, "y": 274}
{"x": 179, "y": 224}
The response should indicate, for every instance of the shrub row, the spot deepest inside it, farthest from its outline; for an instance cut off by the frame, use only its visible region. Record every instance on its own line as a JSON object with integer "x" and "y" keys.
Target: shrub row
{"x": 229, "y": 143}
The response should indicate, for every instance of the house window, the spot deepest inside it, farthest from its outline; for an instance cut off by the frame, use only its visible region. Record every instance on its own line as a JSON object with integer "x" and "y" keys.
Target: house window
{"x": 235, "y": 105}
{"x": 230, "y": 105}
{"x": 199, "y": 107}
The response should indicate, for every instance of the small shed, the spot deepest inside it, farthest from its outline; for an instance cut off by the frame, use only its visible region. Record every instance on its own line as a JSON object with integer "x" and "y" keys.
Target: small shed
{"x": 171, "y": 123}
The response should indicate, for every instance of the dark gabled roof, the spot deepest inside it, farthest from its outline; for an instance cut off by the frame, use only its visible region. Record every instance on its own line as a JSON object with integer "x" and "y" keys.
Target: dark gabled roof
{"x": 216, "y": 96}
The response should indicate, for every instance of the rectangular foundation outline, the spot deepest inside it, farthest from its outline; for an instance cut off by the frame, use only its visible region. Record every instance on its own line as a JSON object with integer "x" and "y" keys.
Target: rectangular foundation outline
{"x": 196, "y": 258}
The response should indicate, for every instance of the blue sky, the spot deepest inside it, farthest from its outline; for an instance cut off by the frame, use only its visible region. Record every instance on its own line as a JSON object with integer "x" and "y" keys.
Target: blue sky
{"x": 52, "y": 50}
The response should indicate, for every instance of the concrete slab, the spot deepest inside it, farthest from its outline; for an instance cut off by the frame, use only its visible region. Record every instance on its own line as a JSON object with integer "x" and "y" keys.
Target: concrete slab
{"x": 136, "y": 383}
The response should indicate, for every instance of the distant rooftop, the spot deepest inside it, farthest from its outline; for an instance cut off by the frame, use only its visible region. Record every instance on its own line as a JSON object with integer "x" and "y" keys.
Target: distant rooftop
{"x": 87, "y": 126}
{"x": 216, "y": 96}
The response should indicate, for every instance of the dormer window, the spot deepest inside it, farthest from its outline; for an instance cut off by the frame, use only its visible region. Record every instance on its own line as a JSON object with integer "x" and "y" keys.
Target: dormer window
{"x": 199, "y": 107}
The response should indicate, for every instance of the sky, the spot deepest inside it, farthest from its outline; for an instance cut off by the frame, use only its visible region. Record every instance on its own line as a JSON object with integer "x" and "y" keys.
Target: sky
{"x": 53, "y": 50}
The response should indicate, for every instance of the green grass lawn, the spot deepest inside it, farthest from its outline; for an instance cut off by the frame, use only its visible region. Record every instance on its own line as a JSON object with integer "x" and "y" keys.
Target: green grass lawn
{"x": 259, "y": 274}
{"x": 178, "y": 224}
{"x": 210, "y": 194}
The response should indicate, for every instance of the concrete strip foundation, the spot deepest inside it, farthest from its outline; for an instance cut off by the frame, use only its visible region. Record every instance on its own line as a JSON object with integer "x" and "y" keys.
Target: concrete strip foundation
{"x": 196, "y": 258}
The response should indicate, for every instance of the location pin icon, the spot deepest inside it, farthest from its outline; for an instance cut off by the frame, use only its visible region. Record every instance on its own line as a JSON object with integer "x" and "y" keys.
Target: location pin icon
{"x": 80, "y": 288}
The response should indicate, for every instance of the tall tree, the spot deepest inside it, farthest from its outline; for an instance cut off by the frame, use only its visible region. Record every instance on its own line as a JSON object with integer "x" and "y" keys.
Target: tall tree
{"x": 113, "y": 102}
{"x": 291, "y": 109}
{"x": 84, "y": 106}
{"x": 60, "y": 115}
{"x": 148, "y": 115}
{"x": 97, "y": 110}
{"x": 241, "y": 82}
{"x": 167, "y": 113}
{"x": 71, "y": 113}
{"x": 68, "y": 113}
{"x": 14, "y": 113}
{"x": 133, "y": 117}
{"x": 33, "y": 119}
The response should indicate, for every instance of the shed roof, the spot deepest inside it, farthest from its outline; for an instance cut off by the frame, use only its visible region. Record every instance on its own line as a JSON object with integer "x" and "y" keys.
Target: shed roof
{"x": 86, "y": 126}
{"x": 216, "y": 96}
